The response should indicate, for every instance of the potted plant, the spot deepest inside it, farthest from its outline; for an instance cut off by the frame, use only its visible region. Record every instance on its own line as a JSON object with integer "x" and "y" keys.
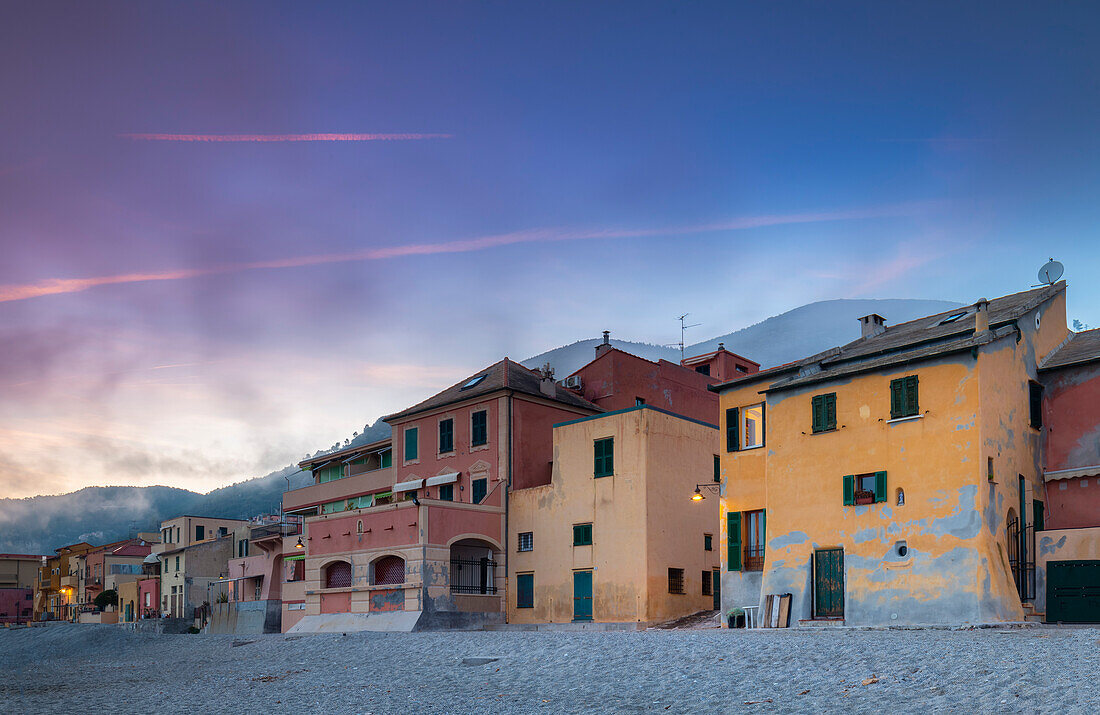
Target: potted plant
{"x": 734, "y": 616}
{"x": 865, "y": 497}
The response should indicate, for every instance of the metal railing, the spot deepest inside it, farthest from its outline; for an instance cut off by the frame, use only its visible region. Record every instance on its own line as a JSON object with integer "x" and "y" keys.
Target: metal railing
{"x": 754, "y": 557}
{"x": 473, "y": 576}
{"x": 291, "y": 525}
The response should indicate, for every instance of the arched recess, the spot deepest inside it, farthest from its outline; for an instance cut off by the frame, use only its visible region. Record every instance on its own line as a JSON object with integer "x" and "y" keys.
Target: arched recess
{"x": 388, "y": 570}
{"x": 337, "y": 574}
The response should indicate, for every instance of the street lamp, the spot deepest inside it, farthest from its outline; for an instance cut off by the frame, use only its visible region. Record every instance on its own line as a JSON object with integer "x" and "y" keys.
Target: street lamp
{"x": 698, "y": 494}
{"x": 299, "y": 545}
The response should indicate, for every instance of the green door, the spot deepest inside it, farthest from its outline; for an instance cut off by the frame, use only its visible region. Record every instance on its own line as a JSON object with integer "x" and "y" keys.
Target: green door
{"x": 582, "y": 595}
{"x": 716, "y": 588}
{"x": 1073, "y": 591}
{"x": 829, "y": 583}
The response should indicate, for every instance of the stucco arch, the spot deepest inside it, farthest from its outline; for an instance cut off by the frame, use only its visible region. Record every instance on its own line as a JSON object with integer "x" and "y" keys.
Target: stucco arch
{"x": 476, "y": 537}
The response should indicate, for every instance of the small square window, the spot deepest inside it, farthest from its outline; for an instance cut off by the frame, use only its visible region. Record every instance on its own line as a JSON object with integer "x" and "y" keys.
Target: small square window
{"x": 676, "y": 581}
{"x": 708, "y": 542}
{"x": 447, "y": 492}
{"x": 526, "y": 541}
{"x": 639, "y": 401}
{"x": 582, "y": 535}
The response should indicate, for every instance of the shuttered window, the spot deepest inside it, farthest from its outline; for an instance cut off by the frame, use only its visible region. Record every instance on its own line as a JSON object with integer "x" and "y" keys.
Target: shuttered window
{"x": 717, "y": 469}
{"x": 479, "y": 428}
{"x": 478, "y": 488}
{"x": 412, "y": 447}
{"x": 446, "y": 436}
{"x": 447, "y": 492}
{"x": 903, "y": 397}
{"x": 733, "y": 429}
{"x": 865, "y": 488}
{"x": 1035, "y": 394}
{"x": 582, "y": 534}
{"x": 733, "y": 540}
{"x": 604, "y": 457}
{"x": 824, "y": 412}
{"x": 525, "y": 590}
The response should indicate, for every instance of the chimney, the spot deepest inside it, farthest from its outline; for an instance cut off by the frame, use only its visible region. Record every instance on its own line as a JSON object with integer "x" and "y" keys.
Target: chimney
{"x": 981, "y": 316}
{"x": 872, "y": 325}
{"x": 546, "y": 384}
{"x": 721, "y": 346}
{"x": 605, "y": 345}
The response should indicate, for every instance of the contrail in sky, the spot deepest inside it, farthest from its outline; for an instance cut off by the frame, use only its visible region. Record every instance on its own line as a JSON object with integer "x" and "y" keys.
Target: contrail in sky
{"x": 282, "y": 137}
{"x": 54, "y": 286}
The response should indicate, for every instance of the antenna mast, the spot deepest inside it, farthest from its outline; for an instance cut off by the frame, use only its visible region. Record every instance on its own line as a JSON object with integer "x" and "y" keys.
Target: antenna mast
{"x": 684, "y": 327}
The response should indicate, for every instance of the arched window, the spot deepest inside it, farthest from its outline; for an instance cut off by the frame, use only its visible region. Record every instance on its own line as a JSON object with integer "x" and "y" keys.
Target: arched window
{"x": 338, "y": 575}
{"x": 389, "y": 570}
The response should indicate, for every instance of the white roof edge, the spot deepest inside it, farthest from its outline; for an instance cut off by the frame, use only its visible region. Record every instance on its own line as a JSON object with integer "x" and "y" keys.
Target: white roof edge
{"x": 1092, "y": 471}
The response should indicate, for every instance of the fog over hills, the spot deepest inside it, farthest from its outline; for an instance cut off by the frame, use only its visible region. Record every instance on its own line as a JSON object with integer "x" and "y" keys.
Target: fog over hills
{"x": 104, "y": 514}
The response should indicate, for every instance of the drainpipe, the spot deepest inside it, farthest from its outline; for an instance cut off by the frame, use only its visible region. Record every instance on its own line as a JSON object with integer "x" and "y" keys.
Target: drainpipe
{"x": 507, "y": 491}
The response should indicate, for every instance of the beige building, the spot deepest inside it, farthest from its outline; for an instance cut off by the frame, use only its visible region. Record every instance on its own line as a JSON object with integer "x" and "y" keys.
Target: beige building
{"x": 20, "y": 570}
{"x": 616, "y": 536}
{"x": 194, "y": 551}
{"x": 183, "y": 531}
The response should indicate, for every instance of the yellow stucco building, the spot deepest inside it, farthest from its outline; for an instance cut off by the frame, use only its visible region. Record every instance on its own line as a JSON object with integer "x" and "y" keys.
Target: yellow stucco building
{"x": 889, "y": 481}
{"x": 615, "y": 536}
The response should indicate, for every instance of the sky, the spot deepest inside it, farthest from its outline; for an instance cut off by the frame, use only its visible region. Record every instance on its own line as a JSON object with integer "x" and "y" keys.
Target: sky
{"x": 233, "y": 233}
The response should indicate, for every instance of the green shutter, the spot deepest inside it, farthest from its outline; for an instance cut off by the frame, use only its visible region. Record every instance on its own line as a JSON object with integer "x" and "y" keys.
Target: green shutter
{"x": 717, "y": 469}
{"x": 880, "y": 486}
{"x": 1038, "y": 511}
{"x": 849, "y": 490}
{"x": 478, "y": 489}
{"x": 897, "y": 401}
{"x": 386, "y": 460}
{"x": 525, "y": 590}
{"x": 733, "y": 429}
{"x": 830, "y": 411}
{"x": 582, "y": 535}
{"x": 733, "y": 540}
{"x": 479, "y": 431}
{"x": 446, "y": 436}
{"x": 603, "y": 457}
{"x": 912, "y": 405}
{"x": 411, "y": 446}
{"x": 817, "y": 409}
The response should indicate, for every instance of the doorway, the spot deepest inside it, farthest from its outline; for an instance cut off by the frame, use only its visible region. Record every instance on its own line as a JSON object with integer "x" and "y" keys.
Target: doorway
{"x": 829, "y": 584}
{"x": 582, "y": 595}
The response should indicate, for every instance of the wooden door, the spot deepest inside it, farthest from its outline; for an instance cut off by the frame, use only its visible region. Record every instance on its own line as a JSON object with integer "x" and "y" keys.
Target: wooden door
{"x": 716, "y": 588}
{"x": 582, "y": 595}
{"x": 829, "y": 583}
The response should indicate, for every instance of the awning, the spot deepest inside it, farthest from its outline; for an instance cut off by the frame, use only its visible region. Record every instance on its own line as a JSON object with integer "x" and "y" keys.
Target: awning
{"x": 408, "y": 486}
{"x": 449, "y": 478}
{"x": 296, "y": 557}
{"x": 1093, "y": 471}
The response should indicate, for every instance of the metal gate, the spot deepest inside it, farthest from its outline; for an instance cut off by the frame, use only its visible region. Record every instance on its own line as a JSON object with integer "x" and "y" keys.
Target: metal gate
{"x": 473, "y": 576}
{"x": 1073, "y": 591}
{"x": 1021, "y": 557}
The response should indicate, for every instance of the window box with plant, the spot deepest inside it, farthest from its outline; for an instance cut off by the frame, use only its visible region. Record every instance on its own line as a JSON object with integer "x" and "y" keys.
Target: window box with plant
{"x": 861, "y": 489}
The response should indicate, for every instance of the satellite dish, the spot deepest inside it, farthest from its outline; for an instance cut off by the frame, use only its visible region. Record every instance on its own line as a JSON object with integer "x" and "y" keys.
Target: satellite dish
{"x": 1050, "y": 272}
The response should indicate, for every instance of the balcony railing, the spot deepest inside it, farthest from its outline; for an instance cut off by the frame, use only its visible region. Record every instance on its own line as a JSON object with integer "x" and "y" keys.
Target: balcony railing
{"x": 473, "y": 576}
{"x": 290, "y": 526}
{"x": 754, "y": 557}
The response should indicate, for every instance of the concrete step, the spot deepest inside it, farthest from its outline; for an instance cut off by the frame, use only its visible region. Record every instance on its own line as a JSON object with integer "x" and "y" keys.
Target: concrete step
{"x": 1035, "y": 617}
{"x": 821, "y": 623}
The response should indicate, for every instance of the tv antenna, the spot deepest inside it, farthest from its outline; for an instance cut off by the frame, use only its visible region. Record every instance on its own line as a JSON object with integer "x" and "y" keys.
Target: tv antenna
{"x": 1050, "y": 273}
{"x": 683, "y": 327}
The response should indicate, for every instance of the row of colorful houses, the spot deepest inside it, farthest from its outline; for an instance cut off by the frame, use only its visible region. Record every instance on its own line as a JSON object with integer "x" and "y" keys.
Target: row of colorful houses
{"x": 942, "y": 470}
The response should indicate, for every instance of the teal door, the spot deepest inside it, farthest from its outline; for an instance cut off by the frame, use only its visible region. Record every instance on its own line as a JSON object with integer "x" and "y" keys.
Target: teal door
{"x": 1073, "y": 592}
{"x": 716, "y": 588}
{"x": 582, "y": 595}
{"x": 829, "y": 583}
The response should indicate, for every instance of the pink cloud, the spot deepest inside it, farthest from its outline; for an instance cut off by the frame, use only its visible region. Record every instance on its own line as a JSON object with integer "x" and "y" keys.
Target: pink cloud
{"x": 282, "y": 137}
{"x": 54, "y": 286}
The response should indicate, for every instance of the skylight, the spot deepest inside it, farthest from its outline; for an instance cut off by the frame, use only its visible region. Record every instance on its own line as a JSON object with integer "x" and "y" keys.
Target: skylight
{"x": 953, "y": 318}
{"x": 473, "y": 382}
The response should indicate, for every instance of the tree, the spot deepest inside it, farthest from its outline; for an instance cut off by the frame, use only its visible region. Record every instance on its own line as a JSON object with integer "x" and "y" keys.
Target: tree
{"x": 106, "y": 598}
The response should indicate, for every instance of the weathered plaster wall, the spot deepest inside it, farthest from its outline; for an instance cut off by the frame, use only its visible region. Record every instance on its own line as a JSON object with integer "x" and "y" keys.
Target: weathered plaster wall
{"x": 643, "y": 521}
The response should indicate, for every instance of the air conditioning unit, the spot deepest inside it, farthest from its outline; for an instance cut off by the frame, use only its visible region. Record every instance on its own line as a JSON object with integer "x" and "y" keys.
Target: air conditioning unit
{"x": 573, "y": 382}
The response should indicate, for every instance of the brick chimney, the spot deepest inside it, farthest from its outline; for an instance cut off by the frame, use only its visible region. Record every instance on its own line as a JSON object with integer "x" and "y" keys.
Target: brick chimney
{"x": 872, "y": 325}
{"x": 981, "y": 316}
{"x": 605, "y": 345}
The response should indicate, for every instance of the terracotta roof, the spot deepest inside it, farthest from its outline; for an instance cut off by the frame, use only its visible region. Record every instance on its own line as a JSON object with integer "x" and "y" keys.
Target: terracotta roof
{"x": 939, "y": 334}
{"x": 1081, "y": 348}
{"x": 504, "y": 375}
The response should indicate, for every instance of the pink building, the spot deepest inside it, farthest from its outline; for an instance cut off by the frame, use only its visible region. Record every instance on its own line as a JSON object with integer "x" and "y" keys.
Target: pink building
{"x": 149, "y": 597}
{"x": 16, "y": 606}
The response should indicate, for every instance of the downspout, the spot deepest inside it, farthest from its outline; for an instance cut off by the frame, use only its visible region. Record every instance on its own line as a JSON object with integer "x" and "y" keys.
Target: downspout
{"x": 507, "y": 492}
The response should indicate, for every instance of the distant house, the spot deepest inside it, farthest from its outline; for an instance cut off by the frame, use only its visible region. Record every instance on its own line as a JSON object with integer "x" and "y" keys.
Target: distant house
{"x": 194, "y": 552}
{"x": 19, "y": 574}
{"x": 896, "y": 479}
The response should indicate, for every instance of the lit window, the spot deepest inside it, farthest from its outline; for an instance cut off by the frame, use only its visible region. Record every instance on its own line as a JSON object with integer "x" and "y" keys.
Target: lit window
{"x": 752, "y": 427}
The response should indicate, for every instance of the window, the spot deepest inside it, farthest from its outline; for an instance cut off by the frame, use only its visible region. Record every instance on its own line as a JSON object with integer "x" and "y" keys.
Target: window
{"x": 639, "y": 401}
{"x": 385, "y": 459}
{"x": 222, "y": 531}
{"x": 478, "y": 487}
{"x": 472, "y": 382}
{"x": 410, "y": 495}
{"x": 754, "y": 540}
{"x": 953, "y": 318}
{"x": 989, "y": 468}
{"x": 733, "y": 429}
{"x": 675, "y": 580}
{"x": 708, "y": 542}
{"x": 582, "y": 534}
{"x": 242, "y": 548}
{"x": 446, "y": 436}
{"x": 447, "y": 492}
{"x": 706, "y": 584}
{"x": 865, "y": 488}
{"x": 605, "y": 457}
{"x": 717, "y": 469}
{"x": 903, "y": 397}
{"x": 824, "y": 412}
{"x": 1038, "y": 513}
{"x": 527, "y": 541}
{"x": 753, "y": 429}
{"x": 479, "y": 428}
{"x": 411, "y": 443}
{"x": 200, "y": 532}
{"x": 177, "y": 563}
{"x": 703, "y": 370}
{"x": 525, "y": 590}
{"x": 1036, "y": 394}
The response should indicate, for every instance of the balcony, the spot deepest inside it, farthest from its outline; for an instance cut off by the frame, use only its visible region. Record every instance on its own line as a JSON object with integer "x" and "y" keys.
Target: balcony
{"x": 317, "y": 494}
{"x": 69, "y": 581}
{"x": 291, "y": 525}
